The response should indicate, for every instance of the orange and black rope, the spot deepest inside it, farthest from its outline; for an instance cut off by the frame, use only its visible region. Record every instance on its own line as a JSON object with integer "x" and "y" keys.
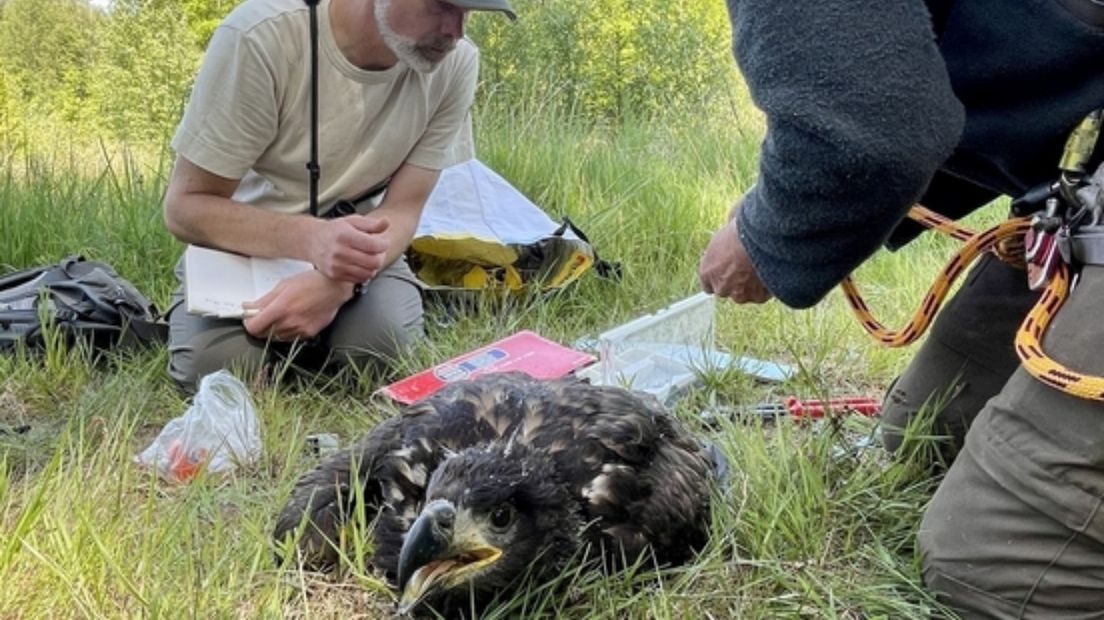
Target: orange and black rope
{"x": 1029, "y": 344}
{"x": 975, "y": 244}
{"x": 1005, "y": 239}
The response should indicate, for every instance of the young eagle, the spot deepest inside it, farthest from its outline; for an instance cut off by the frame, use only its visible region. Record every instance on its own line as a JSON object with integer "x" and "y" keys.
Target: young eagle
{"x": 503, "y": 474}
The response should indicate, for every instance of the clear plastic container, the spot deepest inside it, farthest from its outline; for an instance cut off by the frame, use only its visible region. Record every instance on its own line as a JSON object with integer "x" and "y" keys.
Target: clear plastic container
{"x": 660, "y": 353}
{"x": 664, "y": 353}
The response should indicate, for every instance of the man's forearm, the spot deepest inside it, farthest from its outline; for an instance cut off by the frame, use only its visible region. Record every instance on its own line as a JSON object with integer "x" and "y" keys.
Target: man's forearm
{"x": 222, "y": 223}
{"x": 403, "y": 217}
{"x": 402, "y": 207}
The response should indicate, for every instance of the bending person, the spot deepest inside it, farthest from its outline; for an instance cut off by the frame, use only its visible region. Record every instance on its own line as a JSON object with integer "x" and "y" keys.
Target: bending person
{"x": 870, "y": 109}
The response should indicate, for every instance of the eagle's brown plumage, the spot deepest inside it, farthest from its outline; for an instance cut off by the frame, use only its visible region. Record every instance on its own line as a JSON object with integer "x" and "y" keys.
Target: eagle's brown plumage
{"x": 499, "y": 470}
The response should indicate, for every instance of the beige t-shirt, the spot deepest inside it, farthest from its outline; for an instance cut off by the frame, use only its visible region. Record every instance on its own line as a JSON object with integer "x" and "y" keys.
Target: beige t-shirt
{"x": 249, "y": 113}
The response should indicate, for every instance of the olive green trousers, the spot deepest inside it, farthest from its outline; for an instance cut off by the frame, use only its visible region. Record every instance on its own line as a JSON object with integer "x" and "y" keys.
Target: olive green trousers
{"x": 1016, "y": 528}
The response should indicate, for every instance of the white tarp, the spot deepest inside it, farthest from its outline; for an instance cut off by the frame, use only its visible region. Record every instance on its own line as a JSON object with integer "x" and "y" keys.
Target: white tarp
{"x": 471, "y": 200}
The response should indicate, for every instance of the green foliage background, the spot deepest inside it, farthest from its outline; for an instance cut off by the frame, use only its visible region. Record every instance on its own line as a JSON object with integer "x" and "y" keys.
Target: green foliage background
{"x": 610, "y": 59}
{"x": 124, "y": 72}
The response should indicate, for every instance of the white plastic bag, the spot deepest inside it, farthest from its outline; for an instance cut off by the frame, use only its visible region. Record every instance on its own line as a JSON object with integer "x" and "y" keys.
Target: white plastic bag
{"x": 218, "y": 432}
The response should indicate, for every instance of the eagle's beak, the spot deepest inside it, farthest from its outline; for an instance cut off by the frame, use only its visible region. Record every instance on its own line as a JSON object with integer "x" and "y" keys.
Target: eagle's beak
{"x": 439, "y": 548}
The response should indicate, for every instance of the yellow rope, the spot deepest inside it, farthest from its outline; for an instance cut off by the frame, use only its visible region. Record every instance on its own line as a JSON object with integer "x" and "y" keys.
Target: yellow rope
{"x": 974, "y": 245}
{"x": 1004, "y": 239}
{"x": 1029, "y": 345}
{"x": 1007, "y": 241}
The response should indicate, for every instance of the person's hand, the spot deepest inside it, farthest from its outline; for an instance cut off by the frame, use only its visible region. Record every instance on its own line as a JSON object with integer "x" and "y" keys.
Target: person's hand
{"x": 298, "y": 307}
{"x": 726, "y": 269}
{"x": 351, "y": 248}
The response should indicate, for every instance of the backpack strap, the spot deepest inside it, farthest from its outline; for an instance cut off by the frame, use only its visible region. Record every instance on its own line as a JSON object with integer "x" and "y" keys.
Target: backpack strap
{"x": 12, "y": 320}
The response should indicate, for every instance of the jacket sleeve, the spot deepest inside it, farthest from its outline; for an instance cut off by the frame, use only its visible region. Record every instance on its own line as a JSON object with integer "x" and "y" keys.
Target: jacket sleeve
{"x": 860, "y": 115}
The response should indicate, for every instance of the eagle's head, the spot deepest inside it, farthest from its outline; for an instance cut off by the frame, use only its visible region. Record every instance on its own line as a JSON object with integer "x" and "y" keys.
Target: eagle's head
{"x": 491, "y": 516}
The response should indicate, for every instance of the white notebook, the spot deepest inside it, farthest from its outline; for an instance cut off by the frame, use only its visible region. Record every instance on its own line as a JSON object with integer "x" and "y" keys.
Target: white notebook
{"x": 218, "y": 283}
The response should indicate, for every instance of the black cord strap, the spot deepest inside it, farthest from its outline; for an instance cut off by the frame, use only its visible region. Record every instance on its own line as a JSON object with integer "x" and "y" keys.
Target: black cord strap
{"x": 312, "y": 165}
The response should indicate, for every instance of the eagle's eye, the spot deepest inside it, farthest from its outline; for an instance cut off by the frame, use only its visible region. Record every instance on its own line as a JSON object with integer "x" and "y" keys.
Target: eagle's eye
{"x": 502, "y": 517}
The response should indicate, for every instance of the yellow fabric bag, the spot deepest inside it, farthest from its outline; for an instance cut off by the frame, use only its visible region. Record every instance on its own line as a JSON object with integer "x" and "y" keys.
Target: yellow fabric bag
{"x": 478, "y": 233}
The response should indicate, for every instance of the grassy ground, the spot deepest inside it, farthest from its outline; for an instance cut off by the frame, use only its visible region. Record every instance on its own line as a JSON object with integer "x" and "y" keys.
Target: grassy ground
{"x": 809, "y": 525}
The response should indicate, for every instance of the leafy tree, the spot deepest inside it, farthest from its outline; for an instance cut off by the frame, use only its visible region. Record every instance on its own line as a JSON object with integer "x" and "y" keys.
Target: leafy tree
{"x": 608, "y": 59}
{"x": 45, "y": 53}
{"x": 127, "y": 69}
{"x": 146, "y": 58}
{"x": 204, "y": 15}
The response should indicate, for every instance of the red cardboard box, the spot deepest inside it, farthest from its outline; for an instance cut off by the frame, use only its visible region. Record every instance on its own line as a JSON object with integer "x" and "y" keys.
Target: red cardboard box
{"x": 524, "y": 351}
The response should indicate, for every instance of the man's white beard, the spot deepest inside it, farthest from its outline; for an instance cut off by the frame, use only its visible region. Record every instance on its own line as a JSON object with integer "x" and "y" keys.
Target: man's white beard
{"x": 405, "y": 48}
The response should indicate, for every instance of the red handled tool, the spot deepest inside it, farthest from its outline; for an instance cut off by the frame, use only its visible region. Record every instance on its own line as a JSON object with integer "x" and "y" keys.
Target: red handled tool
{"x": 805, "y": 408}
{"x": 816, "y": 408}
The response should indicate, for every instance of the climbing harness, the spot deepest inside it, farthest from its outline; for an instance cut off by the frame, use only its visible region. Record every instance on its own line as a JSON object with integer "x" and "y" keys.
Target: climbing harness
{"x": 1063, "y": 242}
{"x": 1052, "y": 243}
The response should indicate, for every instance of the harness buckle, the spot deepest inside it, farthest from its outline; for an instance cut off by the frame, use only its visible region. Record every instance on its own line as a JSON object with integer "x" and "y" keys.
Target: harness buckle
{"x": 1058, "y": 232}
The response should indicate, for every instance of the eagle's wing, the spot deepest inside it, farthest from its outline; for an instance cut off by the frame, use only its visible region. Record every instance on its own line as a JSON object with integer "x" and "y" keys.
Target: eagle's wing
{"x": 323, "y": 499}
{"x": 642, "y": 480}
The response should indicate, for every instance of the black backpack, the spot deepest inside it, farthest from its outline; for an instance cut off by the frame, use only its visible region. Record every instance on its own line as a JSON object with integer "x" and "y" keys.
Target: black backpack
{"x": 87, "y": 300}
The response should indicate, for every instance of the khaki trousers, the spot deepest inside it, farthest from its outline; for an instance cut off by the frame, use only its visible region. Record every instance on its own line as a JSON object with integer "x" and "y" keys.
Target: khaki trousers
{"x": 376, "y": 327}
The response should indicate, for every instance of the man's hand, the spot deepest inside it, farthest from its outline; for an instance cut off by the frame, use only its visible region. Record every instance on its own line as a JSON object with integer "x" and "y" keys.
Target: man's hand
{"x": 351, "y": 248}
{"x": 726, "y": 268}
{"x": 298, "y": 307}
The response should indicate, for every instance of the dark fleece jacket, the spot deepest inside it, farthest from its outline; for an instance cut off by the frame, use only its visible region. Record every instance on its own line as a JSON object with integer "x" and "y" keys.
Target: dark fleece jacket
{"x": 874, "y": 106}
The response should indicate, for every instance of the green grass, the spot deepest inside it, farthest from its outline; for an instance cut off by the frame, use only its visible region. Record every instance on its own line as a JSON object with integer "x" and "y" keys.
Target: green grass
{"x": 806, "y": 526}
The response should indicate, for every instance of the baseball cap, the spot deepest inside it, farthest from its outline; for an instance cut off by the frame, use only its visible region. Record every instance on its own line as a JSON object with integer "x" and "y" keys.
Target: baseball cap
{"x": 486, "y": 5}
